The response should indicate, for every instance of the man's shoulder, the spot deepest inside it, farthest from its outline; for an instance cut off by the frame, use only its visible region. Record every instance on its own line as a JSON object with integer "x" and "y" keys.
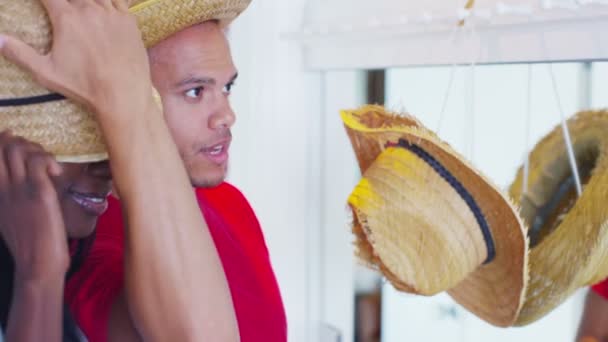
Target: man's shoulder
{"x": 229, "y": 203}
{"x": 224, "y": 193}
{"x": 601, "y": 288}
{"x": 224, "y": 187}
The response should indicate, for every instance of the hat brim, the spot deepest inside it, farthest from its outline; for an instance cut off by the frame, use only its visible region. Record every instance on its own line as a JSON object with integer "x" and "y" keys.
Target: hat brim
{"x": 575, "y": 253}
{"x": 494, "y": 291}
{"x": 159, "y": 19}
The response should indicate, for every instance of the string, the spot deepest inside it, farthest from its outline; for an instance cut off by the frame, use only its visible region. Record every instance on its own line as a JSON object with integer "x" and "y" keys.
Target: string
{"x": 527, "y": 132}
{"x": 566, "y": 132}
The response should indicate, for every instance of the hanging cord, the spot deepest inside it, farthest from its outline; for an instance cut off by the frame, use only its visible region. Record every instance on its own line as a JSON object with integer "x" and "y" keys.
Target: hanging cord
{"x": 472, "y": 93}
{"x": 448, "y": 90}
{"x": 468, "y": 6}
{"x": 527, "y": 132}
{"x": 566, "y": 132}
{"x": 471, "y": 110}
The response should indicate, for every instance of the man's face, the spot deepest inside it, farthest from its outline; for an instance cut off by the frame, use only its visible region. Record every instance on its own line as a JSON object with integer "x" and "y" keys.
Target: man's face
{"x": 193, "y": 71}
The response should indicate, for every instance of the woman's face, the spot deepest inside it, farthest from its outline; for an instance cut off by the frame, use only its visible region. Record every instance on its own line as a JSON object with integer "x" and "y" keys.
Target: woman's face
{"x": 83, "y": 190}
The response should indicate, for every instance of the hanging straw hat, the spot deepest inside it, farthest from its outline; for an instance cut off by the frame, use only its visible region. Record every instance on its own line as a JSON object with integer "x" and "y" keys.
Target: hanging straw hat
{"x": 64, "y": 128}
{"x": 569, "y": 235}
{"x": 430, "y": 222}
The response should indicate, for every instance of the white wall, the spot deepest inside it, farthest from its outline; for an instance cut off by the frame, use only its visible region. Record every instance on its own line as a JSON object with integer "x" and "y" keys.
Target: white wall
{"x": 340, "y": 174}
{"x": 348, "y": 34}
{"x": 275, "y": 144}
{"x": 292, "y": 160}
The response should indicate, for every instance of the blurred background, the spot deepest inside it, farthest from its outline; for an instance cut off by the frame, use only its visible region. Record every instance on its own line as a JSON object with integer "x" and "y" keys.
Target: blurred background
{"x": 488, "y": 86}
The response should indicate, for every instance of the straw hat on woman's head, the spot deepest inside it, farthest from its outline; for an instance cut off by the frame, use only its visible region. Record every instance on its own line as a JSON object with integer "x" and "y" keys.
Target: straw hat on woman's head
{"x": 569, "y": 235}
{"x": 62, "y": 127}
{"x": 430, "y": 222}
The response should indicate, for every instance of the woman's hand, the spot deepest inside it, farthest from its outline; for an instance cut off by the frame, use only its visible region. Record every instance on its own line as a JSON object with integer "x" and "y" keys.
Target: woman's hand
{"x": 31, "y": 225}
{"x": 31, "y": 221}
{"x": 97, "y": 58}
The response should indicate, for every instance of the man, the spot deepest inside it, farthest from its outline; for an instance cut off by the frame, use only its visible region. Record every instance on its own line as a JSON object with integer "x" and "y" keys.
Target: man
{"x": 594, "y": 322}
{"x": 193, "y": 72}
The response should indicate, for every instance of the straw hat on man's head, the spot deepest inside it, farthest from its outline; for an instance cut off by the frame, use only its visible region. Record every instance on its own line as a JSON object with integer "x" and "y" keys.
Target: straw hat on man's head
{"x": 62, "y": 127}
{"x": 569, "y": 235}
{"x": 430, "y": 222}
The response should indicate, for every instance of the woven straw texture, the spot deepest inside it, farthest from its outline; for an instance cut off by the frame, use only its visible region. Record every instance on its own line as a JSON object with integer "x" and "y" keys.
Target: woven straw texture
{"x": 66, "y": 129}
{"x": 62, "y": 127}
{"x": 412, "y": 225}
{"x": 158, "y": 19}
{"x": 575, "y": 253}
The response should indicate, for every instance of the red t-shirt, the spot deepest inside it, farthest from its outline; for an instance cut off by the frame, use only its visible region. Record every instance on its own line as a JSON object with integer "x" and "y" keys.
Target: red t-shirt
{"x": 241, "y": 247}
{"x": 601, "y": 289}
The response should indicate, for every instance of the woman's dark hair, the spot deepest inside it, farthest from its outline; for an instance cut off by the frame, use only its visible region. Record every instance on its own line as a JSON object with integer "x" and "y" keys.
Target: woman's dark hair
{"x": 80, "y": 249}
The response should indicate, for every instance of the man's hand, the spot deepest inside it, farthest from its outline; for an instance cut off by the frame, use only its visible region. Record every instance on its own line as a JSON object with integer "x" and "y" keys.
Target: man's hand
{"x": 97, "y": 58}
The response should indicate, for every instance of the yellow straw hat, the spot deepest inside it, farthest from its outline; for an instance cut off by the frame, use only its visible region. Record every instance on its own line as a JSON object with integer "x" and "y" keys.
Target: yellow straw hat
{"x": 64, "y": 128}
{"x": 430, "y": 222}
{"x": 569, "y": 235}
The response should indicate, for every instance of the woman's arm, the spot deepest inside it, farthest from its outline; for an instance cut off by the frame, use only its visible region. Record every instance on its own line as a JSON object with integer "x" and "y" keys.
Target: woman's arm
{"x": 32, "y": 228}
{"x": 36, "y": 310}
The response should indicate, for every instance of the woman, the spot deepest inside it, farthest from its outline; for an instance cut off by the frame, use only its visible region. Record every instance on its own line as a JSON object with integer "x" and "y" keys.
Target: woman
{"x": 43, "y": 205}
